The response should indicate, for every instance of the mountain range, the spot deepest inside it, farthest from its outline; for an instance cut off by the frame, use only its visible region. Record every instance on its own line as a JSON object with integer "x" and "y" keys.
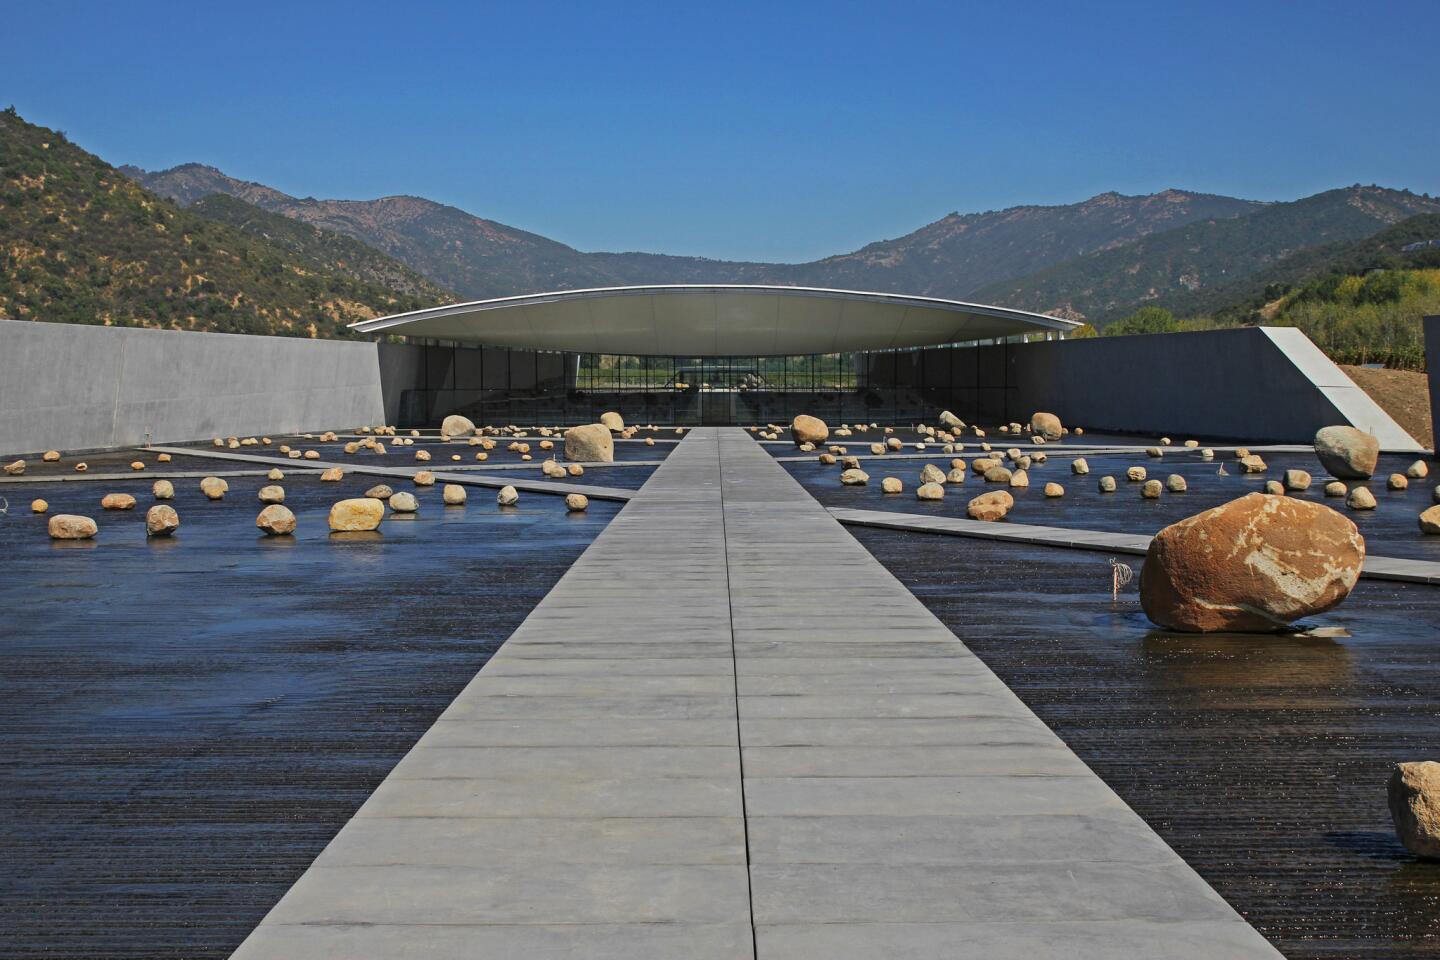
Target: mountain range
{"x": 1094, "y": 260}
{"x": 194, "y": 248}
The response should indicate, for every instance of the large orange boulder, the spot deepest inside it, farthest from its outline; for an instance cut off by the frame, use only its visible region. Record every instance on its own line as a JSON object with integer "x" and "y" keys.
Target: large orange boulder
{"x": 1253, "y": 564}
{"x": 808, "y": 429}
{"x": 591, "y": 443}
{"x": 990, "y": 506}
{"x": 1414, "y": 795}
{"x": 1046, "y": 425}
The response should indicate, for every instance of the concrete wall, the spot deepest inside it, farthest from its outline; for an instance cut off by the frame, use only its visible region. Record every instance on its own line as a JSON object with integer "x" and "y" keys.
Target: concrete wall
{"x": 1258, "y": 383}
{"x": 76, "y": 387}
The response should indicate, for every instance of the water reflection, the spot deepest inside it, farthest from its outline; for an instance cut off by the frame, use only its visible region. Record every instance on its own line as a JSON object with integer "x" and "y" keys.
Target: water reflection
{"x": 1205, "y": 662}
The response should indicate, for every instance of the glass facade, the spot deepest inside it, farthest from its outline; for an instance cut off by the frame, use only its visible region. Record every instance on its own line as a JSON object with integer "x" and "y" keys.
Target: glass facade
{"x": 493, "y": 385}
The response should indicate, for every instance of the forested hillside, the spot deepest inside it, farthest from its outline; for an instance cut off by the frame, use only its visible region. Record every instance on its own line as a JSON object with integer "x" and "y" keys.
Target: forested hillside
{"x": 82, "y": 243}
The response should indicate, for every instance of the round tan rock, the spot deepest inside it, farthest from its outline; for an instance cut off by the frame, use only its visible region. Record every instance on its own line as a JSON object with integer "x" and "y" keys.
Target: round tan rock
{"x": 332, "y": 475}
{"x": 39, "y": 506}
{"x": 118, "y": 501}
{"x": 575, "y": 502}
{"x": 1152, "y": 489}
{"x": 1175, "y": 483}
{"x": 65, "y": 526}
{"x": 931, "y": 474}
{"x": 956, "y": 475}
{"x": 272, "y": 494}
{"x": 612, "y": 421}
{"x": 1054, "y": 490}
{"x": 457, "y": 426}
{"x": 990, "y": 506}
{"x": 163, "y": 490}
{"x": 214, "y": 487}
{"x": 1429, "y": 520}
{"x": 1335, "y": 489}
{"x": 575, "y": 470}
{"x": 1360, "y": 498}
{"x": 137, "y": 465}
{"x": 1252, "y": 463}
{"x": 50, "y": 456}
{"x": 359, "y": 513}
{"x": 312, "y": 454}
{"x": 892, "y": 485}
{"x": 1107, "y": 485}
{"x": 1135, "y": 474}
{"x": 424, "y": 478}
{"x": 1347, "y": 453}
{"x": 404, "y": 502}
{"x": 275, "y": 474}
{"x": 507, "y": 497}
{"x": 276, "y": 520}
{"x": 1297, "y": 480}
{"x": 161, "y": 520}
{"x": 1046, "y": 425}
{"x": 854, "y": 477}
{"x": 16, "y": 468}
{"x": 1274, "y": 488}
{"x": 453, "y": 494}
{"x": 997, "y": 474}
{"x": 1019, "y": 478}
{"x": 1080, "y": 466}
{"x": 1254, "y": 564}
{"x": 1398, "y": 481}
{"x": 1414, "y": 797}
{"x": 807, "y": 429}
{"x": 1418, "y": 470}
{"x": 930, "y": 491}
{"x": 592, "y": 442}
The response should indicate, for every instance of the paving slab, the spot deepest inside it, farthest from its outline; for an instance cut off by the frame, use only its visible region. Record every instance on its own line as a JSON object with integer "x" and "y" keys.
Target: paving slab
{"x": 682, "y": 752}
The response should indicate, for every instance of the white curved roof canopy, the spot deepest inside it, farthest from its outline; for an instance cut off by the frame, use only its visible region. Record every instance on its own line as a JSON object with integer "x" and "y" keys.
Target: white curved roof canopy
{"x": 713, "y": 320}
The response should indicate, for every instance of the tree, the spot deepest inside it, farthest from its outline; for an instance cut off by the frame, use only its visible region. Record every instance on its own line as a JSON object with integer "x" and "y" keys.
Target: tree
{"x": 1144, "y": 320}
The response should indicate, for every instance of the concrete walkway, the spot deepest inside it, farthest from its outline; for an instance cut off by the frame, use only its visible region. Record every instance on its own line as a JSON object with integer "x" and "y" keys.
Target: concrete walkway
{"x": 684, "y": 752}
{"x": 1375, "y": 568}
{"x": 557, "y": 487}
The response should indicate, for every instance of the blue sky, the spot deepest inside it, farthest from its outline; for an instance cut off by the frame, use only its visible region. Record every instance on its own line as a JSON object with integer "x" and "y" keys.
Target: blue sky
{"x": 768, "y": 131}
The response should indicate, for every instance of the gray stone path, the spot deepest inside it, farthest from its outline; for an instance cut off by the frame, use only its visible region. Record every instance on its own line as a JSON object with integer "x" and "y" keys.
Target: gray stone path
{"x": 558, "y": 487}
{"x": 683, "y": 752}
{"x": 1376, "y": 567}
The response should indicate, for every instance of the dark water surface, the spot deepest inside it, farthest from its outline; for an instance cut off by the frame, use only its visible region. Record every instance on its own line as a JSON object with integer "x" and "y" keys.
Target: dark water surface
{"x": 188, "y": 722}
{"x": 1262, "y": 761}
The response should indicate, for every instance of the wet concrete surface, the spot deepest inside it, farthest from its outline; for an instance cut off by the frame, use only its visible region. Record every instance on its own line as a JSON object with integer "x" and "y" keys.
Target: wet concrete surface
{"x": 1261, "y": 760}
{"x": 187, "y": 722}
{"x": 1391, "y": 529}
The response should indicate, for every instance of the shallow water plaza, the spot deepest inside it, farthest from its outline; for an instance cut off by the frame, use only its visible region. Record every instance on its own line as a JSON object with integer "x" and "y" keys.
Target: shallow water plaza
{"x": 714, "y": 622}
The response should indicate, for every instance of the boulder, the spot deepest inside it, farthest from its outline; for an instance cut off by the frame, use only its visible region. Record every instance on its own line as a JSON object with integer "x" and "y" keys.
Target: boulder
{"x": 64, "y": 526}
{"x": 275, "y": 474}
{"x": 591, "y": 443}
{"x": 15, "y": 468}
{"x": 404, "y": 502}
{"x": 312, "y": 454}
{"x": 422, "y": 455}
{"x": 990, "y": 506}
{"x": 1107, "y": 484}
{"x": 877, "y": 448}
{"x": 1360, "y": 499}
{"x": 893, "y": 443}
{"x": 1135, "y": 474}
{"x": 332, "y": 475}
{"x": 39, "y": 506}
{"x": 1397, "y": 481}
{"x": 1348, "y": 453}
{"x": 1151, "y": 490}
{"x": 507, "y": 497}
{"x": 276, "y": 520}
{"x": 1175, "y": 483}
{"x": 997, "y": 474}
{"x": 214, "y": 487}
{"x": 1019, "y": 478}
{"x": 1414, "y": 796}
{"x": 453, "y": 494}
{"x": 117, "y": 501}
{"x": 272, "y": 494}
{"x": 161, "y": 520}
{"x": 360, "y": 513}
{"x": 1079, "y": 466}
{"x": 893, "y": 485}
{"x": 611, "y": 420}
{"x": 575, "y": 470}
{"x": 457, "y": 426}
{"x": 982, "y": 465}
{"x": 1429, "y": 520}
{"x": 1274, "y": 488}
{"x": 827, "y": 459}
{"x": 1252, "y": 463}
{"x": 1154, "y": 452}
{"x": 956, "y": 475}
{"x": 423, "y": 478}
{"x": 930, "y": 491}
{"x": 79, "y": 467}
{"x": 1256, "y": 563}
{"x": 931, "y": 474}
{"x": 1054, "y": 490}
{"x": 163, "y": 490}
{"x": 1297, "y": 480}
{"x": 808, "y": 429}
{"x": 575, "y": 502}
{"x": 854, "y": 477}
{"x": 1335, "y": 489}
{"x": 1418, "y": 470}
{"x": 951, "y": 421}
{"x": 50, "y": 456}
